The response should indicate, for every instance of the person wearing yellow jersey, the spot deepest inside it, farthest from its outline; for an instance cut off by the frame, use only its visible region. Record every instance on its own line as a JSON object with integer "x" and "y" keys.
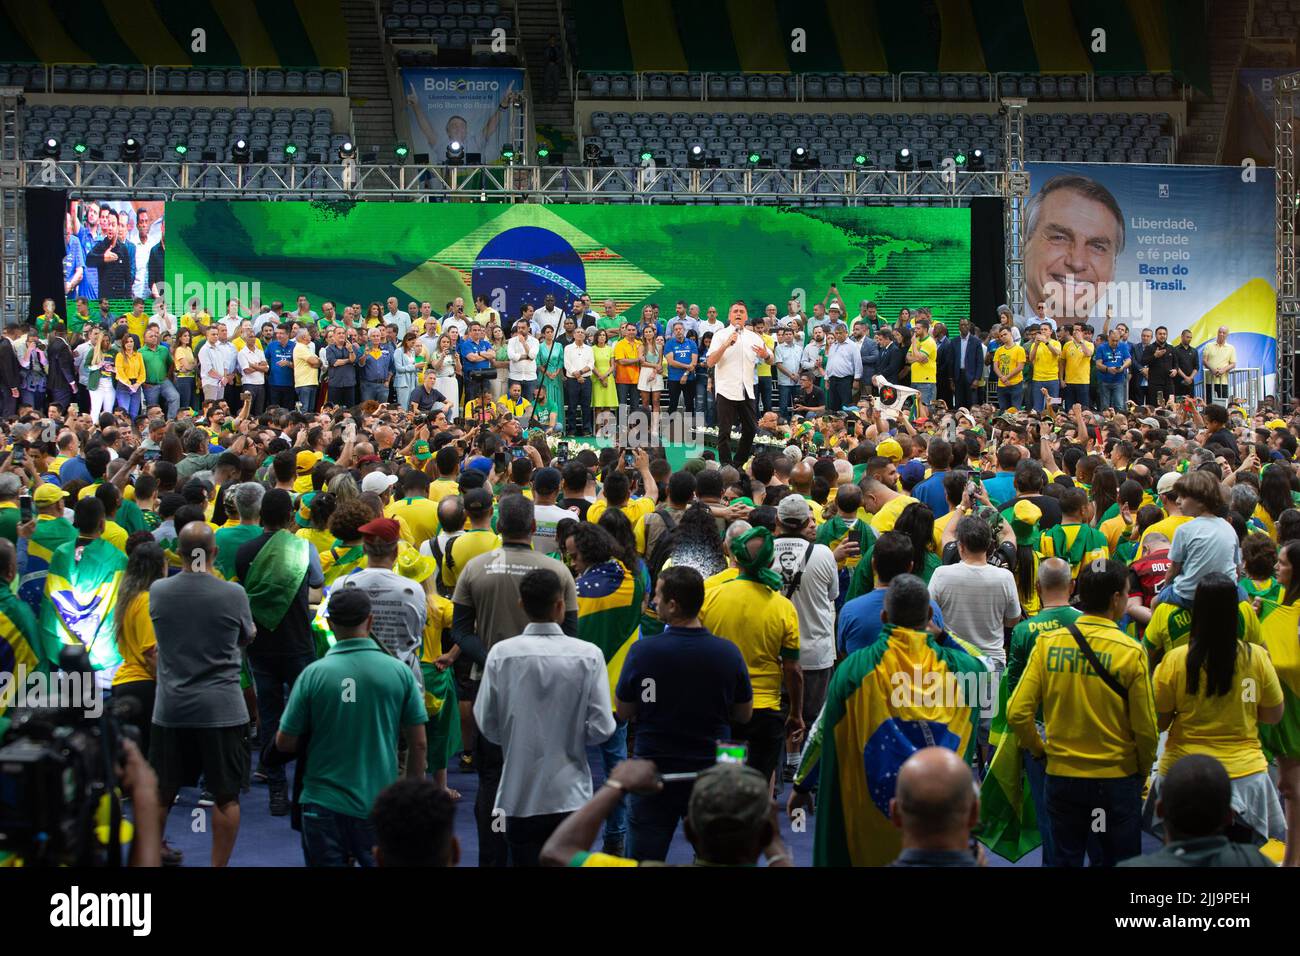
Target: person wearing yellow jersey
{"x": 1044, "y": 357}
{"x": 1009, "y": 367}
{"x": 1171, "y": 626}
{"x": 1076, "y": 355}
{"x": 1099, "y": 721}
{"x": 137, "y": 320}
{"x": 136, "y": 679}
{"x": 883, "y": 504}
{"x": 478, "y": 539}
{"x": 923, "y": 359}
{"x": 1199, "y": 700}
{"x": 617, "y": 493}
{"x": 752, "y": 613}
{"x": 415, "y": 507}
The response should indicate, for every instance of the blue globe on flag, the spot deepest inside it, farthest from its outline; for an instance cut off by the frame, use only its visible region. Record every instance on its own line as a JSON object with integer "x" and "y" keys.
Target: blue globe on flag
{"x": 526, "y": 264}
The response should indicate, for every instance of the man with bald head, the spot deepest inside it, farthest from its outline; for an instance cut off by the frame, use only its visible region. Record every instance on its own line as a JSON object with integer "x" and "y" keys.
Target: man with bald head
{"x": 936, "y": 807}
{"x": 200, "y": 721}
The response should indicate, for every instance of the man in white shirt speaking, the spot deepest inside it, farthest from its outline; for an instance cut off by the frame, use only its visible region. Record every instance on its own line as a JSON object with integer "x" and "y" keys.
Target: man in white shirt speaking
{"x": 733, "y": 356}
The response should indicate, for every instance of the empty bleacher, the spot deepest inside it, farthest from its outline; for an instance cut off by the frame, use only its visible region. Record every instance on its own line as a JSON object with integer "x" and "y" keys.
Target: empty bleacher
{"x": 206, "y": 132}
{"x": 442, "y": 31}
{"x": 835, "y": 139}
{"x": 187, "y": 80}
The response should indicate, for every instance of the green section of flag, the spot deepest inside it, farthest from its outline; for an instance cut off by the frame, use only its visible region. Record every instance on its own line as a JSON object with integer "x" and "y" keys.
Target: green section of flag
{"x": 81, "y": 602}
{"x": 634, "y": 254}
{"x": 1008, "y": 824}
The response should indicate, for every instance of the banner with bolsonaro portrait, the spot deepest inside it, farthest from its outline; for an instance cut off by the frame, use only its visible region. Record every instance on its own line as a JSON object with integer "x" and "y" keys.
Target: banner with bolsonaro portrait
{"x": 446, "y": 105}
{"x": 1186, "y": 247}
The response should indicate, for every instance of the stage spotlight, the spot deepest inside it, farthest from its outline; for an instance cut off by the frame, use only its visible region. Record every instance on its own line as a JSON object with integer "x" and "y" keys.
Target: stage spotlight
{"x": 401, "y": 152}
{"x": 977, "y": 159}
{"x": 646, "y": 156}
{"x": 543, "y": 156}
{"x": 181, "y": 151}
{"x": 455, "y": 153}
{"x": 80, "y": 149}
{"x": 290, "y": 152}
{"x": 51, "y": 148}
{"x": 347, "y": 151}
{"x": 240, "y": 151}
{"x": 800, "y": 157}
{"x": 755, "y": 158}
{"x": 591, "y": 155}
{"x": 695, "y": 158}
{"x": 508, "y": 153}
{"x": 861, "y": 159}
{"x": 960, "y": 158}
{"x": 903, "y": 160}
{"x": 131, "y": 150}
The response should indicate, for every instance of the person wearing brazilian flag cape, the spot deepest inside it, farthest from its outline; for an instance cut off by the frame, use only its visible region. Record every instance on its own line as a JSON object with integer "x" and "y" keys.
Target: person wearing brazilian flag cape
{"x": 81, "y": 590}
{"x": 907, "y": 691}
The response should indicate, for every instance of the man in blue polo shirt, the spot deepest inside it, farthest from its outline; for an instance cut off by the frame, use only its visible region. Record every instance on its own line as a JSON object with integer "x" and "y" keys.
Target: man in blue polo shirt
{"x": 1112, "y": 359}
{"x": 376, "y": 364}
{"x": 475, "y": 358}
{"x": 279, "y": 358}
{"x": 683, "y": 355}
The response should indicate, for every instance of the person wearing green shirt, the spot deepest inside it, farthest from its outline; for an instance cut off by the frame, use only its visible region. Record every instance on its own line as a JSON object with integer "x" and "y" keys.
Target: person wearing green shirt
{"x": 11, "y": 486}
{"x": 345, "y": 771}
{"x": 610, "y": 321}
{"x": 158, "y": 386}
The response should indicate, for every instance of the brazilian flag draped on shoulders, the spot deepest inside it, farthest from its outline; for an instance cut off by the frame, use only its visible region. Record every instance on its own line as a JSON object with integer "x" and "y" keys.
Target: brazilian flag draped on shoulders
{"x": 275, "y": 576}
{"x": 340, "y": 561}
{"x": 48, "y": 536}
{"x": 81, "y": 602}
{"x": 876, "y": 716}
{"x": 1279, "y": 625}
{"x": 18, "y": 654}
{"x": 609, "y": 613}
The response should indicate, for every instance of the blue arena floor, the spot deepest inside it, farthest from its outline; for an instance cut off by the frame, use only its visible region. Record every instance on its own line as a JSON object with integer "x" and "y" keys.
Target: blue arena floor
{"x": 265, "y": 840}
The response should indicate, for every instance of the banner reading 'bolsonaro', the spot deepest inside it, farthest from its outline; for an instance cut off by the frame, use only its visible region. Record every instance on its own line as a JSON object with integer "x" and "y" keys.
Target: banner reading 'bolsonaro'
{"x": 1186, "y": 247}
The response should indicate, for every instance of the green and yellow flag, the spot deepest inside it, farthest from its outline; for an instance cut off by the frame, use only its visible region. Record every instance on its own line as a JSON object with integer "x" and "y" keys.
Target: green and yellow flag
{"x": 81, "y": 602}
{"x": 609, "y": 613}
{"x": 17, "y": 646}
{"x": 275, "y": 576}
{"x": 1279, "y": 626}
{"x": 1008, "y": 823}
{"x": 904, "y": 692}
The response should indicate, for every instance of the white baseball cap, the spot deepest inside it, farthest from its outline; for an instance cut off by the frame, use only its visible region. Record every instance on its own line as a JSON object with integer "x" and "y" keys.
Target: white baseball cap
{"x": 377, "y": 482}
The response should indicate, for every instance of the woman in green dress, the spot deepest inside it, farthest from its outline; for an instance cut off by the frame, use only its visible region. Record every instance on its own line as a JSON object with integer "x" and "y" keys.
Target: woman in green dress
{"x": 549, "y": 408}
{"x": 604, "y": 396}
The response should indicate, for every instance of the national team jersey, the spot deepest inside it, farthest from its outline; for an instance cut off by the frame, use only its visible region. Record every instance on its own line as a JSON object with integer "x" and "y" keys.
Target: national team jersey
{"x": 1171, "y": 626}
{"x": 1005, "y": 359}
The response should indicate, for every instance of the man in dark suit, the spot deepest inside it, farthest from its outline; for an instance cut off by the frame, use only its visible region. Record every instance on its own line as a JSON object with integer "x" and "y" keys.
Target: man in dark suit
{"x": 890, "y": 363}
{"x": 1138, "y": 375}
{"x": 63, "y": 370}
{"x": 1160, "y": 368}
{"x": 943, "y": 370}
{"x": 10, "y": 371}
{"x": 964, "y": 365}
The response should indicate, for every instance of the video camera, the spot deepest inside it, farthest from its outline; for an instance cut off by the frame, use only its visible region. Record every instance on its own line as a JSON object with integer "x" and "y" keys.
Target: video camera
{"x": 59, "y": 767}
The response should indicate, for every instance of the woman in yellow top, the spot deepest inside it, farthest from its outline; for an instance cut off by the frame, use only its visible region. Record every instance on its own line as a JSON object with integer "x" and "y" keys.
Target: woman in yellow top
{"x": 136, "y": 679}
{"x": 184, "y": 363}
{"x": 128, "y": 373}
{"x": 1211, "y": 694}
{"x": 374, "y": 315}
{"x": 604, "y": 396}
{"x": 317, "y": 531}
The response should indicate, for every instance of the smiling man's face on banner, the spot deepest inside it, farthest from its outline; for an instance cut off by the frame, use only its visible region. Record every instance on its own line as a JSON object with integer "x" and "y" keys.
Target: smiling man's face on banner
{"x": 1075, "y": 237}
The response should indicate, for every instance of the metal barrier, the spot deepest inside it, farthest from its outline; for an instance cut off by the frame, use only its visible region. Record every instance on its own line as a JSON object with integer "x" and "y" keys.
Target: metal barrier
{"x": 1245, "y": 385}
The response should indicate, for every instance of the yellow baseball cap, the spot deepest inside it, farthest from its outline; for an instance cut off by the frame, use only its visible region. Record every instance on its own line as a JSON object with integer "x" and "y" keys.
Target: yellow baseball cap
{"x": 47, "y": 494}
{"x": 890, "y": 449}
{"x": 307, "y": 460}
{"x": 1276, "y": 423}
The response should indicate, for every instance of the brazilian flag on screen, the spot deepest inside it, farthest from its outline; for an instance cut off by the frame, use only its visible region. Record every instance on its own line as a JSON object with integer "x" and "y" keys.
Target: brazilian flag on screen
{"x": 81, "y": 602}
{"x": 518, "y": 253}
{"x": 886, "y": 701}
{"x": 1278, "y": 626}
{"x": 609, "y": 613}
